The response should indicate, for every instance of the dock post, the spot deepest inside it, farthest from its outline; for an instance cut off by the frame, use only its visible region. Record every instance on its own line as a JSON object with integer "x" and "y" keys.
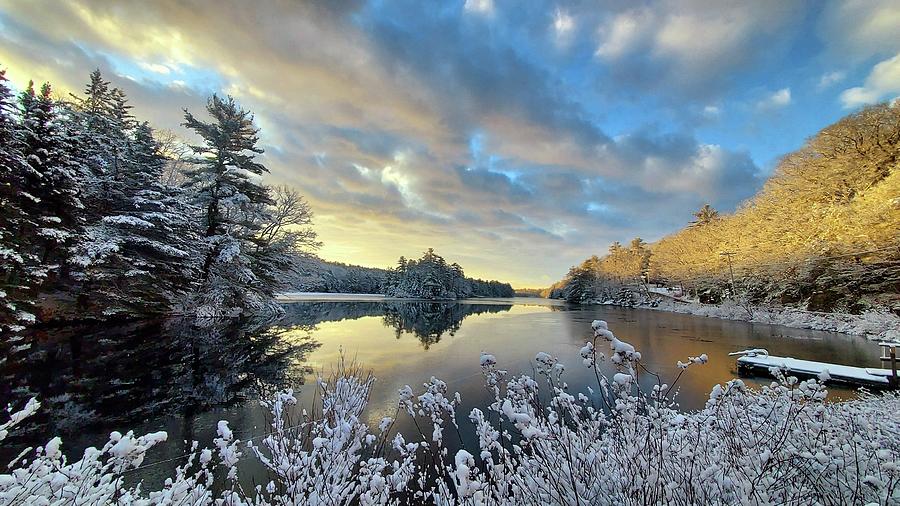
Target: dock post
{"x": 894, "y": 365}
{"x": 889, "y": 352}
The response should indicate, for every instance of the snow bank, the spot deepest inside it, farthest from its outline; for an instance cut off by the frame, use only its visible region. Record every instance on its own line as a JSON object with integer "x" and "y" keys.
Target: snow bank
{"x": 875, "y": 325}
{"x": 622, "y": 442}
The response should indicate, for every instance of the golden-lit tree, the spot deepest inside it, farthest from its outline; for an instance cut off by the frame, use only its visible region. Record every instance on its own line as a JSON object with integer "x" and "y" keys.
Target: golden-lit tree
{"x": 830, "y": 212}
{"x": 705, "y": 215}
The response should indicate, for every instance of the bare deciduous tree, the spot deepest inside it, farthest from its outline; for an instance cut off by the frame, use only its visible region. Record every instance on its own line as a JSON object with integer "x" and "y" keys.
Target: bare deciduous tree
{"x": 177, "y": 154}
{"x": 290, "y": 217}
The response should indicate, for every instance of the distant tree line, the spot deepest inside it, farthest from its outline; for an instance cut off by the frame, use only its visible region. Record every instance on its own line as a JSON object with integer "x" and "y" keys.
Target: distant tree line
{"x": 823, "y": 233}
{"x": 314, "y": 274}
{"x": 100, "y": 216}
{"x": 429, "y": 277}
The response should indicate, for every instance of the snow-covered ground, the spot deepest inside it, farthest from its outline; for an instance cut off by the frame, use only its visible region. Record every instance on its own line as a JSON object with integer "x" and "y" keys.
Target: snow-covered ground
{"x": 876, "y": 325}
{"x": 670, "y": 292}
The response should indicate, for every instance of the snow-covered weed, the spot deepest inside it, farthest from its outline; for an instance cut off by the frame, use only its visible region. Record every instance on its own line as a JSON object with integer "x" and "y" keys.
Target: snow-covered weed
{"x": 622, "y": 442}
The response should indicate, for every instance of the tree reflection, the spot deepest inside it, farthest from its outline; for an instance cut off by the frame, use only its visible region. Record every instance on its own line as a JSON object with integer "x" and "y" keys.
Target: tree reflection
{"x": 429, "y": 321}
{"x": 114, "y": 375}
{"x": 313, "y": 313}
{"x": 426, "y": 320}
{"x": 108, "y": 375}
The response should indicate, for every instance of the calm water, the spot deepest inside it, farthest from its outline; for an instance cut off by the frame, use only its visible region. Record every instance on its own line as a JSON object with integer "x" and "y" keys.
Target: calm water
{"x": 182, "y": 378}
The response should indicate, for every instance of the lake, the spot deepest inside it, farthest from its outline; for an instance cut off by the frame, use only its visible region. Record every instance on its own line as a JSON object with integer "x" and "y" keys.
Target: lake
{"x": 182, "y": 377}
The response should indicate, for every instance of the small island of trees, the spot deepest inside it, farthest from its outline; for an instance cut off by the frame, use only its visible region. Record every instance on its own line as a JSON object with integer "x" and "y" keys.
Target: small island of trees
{"x": 431, "y": 277}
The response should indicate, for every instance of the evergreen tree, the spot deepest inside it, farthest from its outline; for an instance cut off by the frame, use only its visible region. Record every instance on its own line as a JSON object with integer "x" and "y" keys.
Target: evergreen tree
{"x": 232, "y": 202}
{"x": 581, "y": 283}
{"x": 431, "y": 277}
{"x": 102, "y": 143}
{"x": 137, "y": 258}
{"x": 19, "y": 266}
{"x": 166, "y": 247}
{"x": 102, "y": 127}
{"x": 85, "y": 214}
{"x": 134, "y": 255}
{"x": 704, "y": 216}
{"x": 98, "y": 255}
{"x": 51, "y": 195}
{"x": 97, "y": 100}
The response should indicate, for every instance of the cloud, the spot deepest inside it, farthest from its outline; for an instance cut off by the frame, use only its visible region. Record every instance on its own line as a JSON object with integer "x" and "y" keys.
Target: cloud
{"x": 830, "y": 78}
{"x": 711, "y": 111}
{"x": 624, "y": 34}
{"x": 479, "y": 6}
{"x": 882, "y": 82}
{"x": 775, "y": 100}
{"x": 155, "y": 67}
{"x": 395, "y": 175}
{"x": 692, "y": 47}
{"x": 370, "y": 111}
{"x": 563, "y": 27}
{"x": 859, "y": 29}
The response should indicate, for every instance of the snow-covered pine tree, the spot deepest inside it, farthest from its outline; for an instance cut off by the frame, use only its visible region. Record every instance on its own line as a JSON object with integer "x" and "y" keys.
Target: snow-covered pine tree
{"x": 100, "y": 143}
{"x": 236, "y": 273}
{"x": 51, "y": 193}
{"x": 139, "y": 257}
{"x": 135, "y": 255}
{"x": 101, "y": 122}
{"x": 97, "y": 100}
{"x": 19, "y": 265}
{"x": 168, "y": 247}
{"x": 103, "y": 143}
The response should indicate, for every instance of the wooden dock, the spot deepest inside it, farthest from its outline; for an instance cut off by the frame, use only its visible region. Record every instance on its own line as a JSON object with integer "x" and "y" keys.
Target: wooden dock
{"x": 758, "y": 362}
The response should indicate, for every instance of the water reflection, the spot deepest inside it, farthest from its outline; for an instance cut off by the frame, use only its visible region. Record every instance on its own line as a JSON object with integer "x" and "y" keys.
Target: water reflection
{"x": 427, "y": 320}
{"x": 110, "y": 376}
{"x": 181, "y": 377}
{"x": 115, "y": 374}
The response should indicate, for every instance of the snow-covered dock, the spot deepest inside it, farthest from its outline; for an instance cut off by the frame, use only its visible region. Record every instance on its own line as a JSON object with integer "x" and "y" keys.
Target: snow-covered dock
{"x": 758, "y": 361}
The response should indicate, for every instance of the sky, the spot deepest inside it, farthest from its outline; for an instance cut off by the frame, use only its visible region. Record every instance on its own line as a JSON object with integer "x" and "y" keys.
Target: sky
{"x": 515, "y": 137}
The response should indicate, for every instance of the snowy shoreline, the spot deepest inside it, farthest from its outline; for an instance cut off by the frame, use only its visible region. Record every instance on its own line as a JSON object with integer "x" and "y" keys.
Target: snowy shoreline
{"x": 301, "y": 296}
{"x": 349, "y": 297}
{"x": 873, "y": 325}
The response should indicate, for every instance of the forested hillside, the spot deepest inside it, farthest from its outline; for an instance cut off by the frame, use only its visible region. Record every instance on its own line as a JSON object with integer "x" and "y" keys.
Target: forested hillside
{"x": 317, "y": 275}
{"x": 429, "y": 277}
{"x": 99, "y": 219}
{"x": 823, "y": 233}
